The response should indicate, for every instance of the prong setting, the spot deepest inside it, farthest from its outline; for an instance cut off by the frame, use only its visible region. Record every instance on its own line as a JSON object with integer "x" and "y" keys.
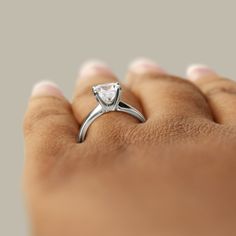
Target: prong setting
{"x": 108, "y": 95}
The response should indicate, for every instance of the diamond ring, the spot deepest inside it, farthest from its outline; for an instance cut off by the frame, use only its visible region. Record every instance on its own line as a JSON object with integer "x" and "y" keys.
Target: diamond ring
{"x": 108, "y": 97}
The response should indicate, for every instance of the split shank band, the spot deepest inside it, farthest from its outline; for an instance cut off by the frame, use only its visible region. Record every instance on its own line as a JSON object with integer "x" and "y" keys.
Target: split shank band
{"x": 108, "y": 97}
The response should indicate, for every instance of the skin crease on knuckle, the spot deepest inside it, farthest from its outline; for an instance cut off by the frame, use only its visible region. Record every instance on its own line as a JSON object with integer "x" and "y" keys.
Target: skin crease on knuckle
{"x": 170, "y": 130}
{"x": 37, "y": 113}
{"x": 220, "y": 86}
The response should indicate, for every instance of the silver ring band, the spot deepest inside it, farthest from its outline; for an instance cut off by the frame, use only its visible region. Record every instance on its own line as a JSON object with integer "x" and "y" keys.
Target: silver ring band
{"x": 108, "y": 96}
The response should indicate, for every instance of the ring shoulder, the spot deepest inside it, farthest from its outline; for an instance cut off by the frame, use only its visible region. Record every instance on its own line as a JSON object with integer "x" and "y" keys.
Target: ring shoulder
{"x": 124, "y": 107}
{"x": 93, "y": 115}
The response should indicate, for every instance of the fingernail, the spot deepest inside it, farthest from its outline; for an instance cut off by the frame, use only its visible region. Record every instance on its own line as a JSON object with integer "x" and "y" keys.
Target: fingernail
{"x": 195, "y": 72}
{"x": 143, "y": 65}
{"x": 46, "y": 88}
{"x": 93, "y": 68}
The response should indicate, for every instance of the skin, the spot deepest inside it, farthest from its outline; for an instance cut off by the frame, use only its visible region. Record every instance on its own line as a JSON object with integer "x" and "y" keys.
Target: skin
{"x": 172, "y": 175}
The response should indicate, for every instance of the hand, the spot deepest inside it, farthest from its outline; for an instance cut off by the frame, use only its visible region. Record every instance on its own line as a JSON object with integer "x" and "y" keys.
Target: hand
{"x": 172, "y": 175}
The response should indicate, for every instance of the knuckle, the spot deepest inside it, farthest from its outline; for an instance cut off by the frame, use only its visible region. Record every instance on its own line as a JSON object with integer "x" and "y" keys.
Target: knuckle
{"x": 181, "y": 128}
{"x": 171, "y": 129}
{"x": 45, "y": 114}
{"x": 220, "y": 86}
{"x": 133, "y": 133}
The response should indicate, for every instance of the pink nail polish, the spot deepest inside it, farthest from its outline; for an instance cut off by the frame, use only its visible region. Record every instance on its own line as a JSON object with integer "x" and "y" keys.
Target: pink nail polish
{"x": 46, "y": 88}
{"x": 143, "y": 65}
{"x": 195, "y": 72}
{"x": 93, "y": 68}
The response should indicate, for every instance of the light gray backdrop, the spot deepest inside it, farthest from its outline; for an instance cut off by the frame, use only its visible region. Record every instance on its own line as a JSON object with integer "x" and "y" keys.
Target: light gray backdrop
{"x": 49, "y": 39}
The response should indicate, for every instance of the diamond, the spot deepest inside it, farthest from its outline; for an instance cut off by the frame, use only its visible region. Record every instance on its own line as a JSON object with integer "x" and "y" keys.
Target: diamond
{"x": 106, "y": 92}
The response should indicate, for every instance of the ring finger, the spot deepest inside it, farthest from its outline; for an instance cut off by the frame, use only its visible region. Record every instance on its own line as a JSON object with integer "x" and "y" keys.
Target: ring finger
{"x": 111, "y": 125}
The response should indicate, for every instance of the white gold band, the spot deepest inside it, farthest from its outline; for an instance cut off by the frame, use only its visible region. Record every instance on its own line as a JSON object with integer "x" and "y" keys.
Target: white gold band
{"x": 108, "y": 96}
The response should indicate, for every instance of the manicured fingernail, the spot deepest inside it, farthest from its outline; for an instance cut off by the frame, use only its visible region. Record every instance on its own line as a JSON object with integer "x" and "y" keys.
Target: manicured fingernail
{"x": 142, "y": 66}
{"x": 93, "y": 68}
{"x": 46, "y": 88}
{"x": 195, "y": 72}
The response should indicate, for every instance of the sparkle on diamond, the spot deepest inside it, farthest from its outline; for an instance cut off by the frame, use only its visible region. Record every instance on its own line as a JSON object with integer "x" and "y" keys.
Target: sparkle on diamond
{"x": 107, "y": 92}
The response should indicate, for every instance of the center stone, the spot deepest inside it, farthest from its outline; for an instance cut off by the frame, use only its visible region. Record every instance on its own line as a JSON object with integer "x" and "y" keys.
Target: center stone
{"x": 107, "y": 92}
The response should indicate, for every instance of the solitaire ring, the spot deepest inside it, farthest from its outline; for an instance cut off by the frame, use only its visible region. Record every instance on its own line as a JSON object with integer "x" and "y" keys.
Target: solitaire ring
{"x": 109, "y": 99}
